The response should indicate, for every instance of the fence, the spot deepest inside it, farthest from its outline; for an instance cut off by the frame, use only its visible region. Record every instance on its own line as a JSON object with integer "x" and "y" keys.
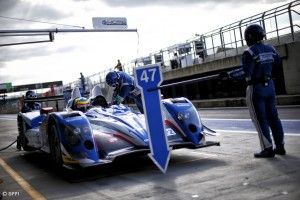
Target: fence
{"x": 222, "y": 42}
{"x": 277, "y": 22}
{"x": 9, "y": 106}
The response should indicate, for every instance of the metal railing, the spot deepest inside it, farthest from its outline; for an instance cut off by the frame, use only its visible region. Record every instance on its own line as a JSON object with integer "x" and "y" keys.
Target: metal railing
{"x": 280, "y": 21}
{"x": 281, "y": 24}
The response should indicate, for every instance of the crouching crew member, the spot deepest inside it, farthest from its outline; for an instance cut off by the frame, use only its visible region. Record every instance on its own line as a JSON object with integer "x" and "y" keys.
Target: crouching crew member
{"x": 124, "y": 86}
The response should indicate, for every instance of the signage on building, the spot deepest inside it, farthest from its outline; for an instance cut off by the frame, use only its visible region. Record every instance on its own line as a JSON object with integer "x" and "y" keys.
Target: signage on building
{"x": 109, "y": 23}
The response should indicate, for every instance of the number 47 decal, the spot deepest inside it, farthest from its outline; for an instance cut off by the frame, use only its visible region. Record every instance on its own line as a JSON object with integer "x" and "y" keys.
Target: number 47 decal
{"x": 145, "y": 77}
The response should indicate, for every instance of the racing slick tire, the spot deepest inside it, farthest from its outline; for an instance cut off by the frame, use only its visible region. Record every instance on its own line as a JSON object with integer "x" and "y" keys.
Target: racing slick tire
{"x": 22, "y": 141}
{"x": 54, "y": 144}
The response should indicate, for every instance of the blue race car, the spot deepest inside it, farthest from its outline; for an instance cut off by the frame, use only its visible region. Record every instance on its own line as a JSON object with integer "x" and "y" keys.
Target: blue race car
{"x": 76, "y": 138}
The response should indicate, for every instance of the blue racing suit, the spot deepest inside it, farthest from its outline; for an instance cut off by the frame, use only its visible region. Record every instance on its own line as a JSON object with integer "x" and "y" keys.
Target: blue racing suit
{"x": 126, "y": 88}
{"x": 258, "y": 62}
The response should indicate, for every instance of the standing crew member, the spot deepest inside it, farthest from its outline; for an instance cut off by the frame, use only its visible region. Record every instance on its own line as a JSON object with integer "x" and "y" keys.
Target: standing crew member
{"x": 124, "y": 86}
{"x": 119, "y": 66}
{"x": 258, "y": 62}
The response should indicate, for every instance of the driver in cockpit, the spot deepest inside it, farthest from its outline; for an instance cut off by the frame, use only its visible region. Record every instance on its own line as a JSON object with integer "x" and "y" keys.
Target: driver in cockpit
{"x": 77, "y": 102}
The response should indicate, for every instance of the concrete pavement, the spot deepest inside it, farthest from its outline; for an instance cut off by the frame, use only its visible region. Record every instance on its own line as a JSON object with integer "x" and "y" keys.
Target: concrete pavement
{"x": 225, "y": 172}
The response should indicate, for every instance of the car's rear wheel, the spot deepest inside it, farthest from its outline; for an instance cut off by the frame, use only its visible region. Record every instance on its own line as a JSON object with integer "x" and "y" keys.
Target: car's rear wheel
{"x": 22, "y": 140}
{"x": 54, "y": 144}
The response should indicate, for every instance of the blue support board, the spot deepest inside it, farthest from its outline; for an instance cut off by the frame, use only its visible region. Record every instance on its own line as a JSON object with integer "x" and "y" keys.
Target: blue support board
{"x": 147, "y": 78}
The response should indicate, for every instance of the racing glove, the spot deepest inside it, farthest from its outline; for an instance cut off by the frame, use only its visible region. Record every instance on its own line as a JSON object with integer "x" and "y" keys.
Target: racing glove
{"x": 118, "y": 99}
{"x": 236, "y": 74}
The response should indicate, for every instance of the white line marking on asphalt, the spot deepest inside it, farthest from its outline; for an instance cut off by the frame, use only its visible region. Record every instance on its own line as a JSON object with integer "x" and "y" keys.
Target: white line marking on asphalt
{"x": 251, "y": 132}
{"x": 8, "y": 118}
{"x": 246, "y": 120}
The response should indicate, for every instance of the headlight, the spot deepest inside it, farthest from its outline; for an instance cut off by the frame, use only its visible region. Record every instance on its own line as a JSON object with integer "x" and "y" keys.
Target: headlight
{"x": 72, "y": 135}
{"x": 183, "y": 116}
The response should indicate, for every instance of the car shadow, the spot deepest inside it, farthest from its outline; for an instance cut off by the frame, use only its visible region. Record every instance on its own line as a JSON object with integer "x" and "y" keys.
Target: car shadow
{"x": 178, "y": 165}
{"x": 285, "y": 163}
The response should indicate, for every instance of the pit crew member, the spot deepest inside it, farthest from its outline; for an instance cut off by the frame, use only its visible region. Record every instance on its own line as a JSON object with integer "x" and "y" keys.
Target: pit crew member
{"x": 124, "y": 87}
{"x": 258, "y": 61}
{"x": 30, "y": 106}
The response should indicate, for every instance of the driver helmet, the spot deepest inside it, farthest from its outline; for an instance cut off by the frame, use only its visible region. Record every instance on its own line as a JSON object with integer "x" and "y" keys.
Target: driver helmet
{"x": 81, "y": 104}
{"x": 30, "y": 95}
{"x": 112, "y": 79}
{"x": 253, "y": 34}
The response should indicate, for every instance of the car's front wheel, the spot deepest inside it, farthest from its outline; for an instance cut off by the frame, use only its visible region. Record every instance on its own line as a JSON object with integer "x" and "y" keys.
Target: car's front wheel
{"x": 54, "y": 144}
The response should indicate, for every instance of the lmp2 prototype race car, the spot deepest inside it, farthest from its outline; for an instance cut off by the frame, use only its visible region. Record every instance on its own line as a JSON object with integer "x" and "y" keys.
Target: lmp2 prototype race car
{"x": 103, "y": 133}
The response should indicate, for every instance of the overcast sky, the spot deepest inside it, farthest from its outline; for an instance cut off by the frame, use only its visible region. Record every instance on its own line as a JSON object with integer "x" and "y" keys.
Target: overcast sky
{"x": 160, "y": 23}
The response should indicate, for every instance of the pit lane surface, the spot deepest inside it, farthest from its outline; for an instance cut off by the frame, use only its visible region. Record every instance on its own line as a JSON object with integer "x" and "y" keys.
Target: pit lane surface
{"x": 225, "y": 172}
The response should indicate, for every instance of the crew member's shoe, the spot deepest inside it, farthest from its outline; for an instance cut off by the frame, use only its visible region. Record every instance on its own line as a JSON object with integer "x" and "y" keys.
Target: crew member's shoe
{"x": 266, "y": 153}
{"x": 280, "y": 150}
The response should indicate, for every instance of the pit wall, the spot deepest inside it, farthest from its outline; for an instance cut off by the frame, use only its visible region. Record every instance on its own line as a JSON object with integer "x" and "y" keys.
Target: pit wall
{"x": 290, "y": 53}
